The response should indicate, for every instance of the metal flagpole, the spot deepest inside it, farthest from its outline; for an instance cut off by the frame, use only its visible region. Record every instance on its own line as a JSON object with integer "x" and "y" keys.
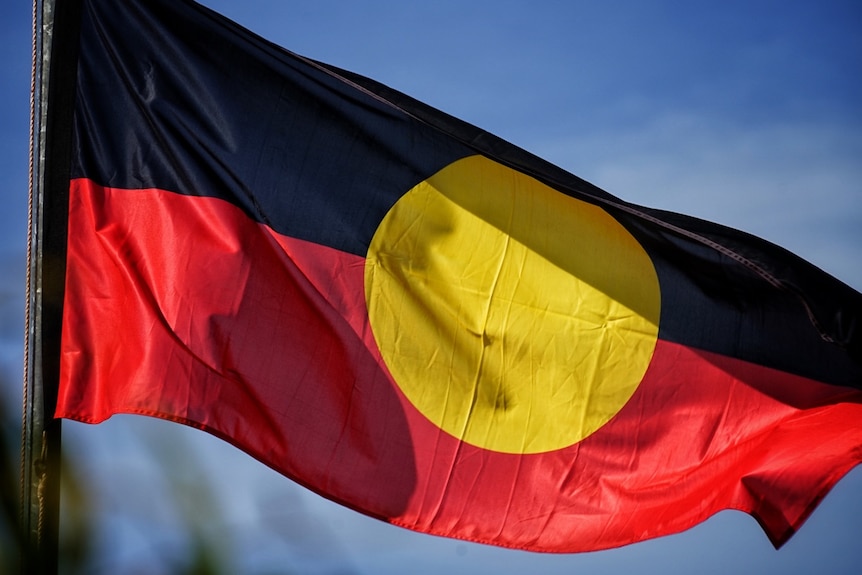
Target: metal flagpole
{"x": 55, "y": 32}
{"x": 40, "y": 440}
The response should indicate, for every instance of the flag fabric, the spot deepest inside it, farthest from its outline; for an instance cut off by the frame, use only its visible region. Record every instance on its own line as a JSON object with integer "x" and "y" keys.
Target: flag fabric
{"x": 421, "y": 321}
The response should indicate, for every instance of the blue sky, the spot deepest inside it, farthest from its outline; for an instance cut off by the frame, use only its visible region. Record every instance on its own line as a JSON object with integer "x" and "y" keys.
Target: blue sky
{"x": 746, "y": 113}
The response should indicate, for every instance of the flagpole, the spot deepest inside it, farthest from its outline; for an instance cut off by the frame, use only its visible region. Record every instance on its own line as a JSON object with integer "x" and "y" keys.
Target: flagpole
{"x": 52, "y": 93}
{"x": 40, "y": 443}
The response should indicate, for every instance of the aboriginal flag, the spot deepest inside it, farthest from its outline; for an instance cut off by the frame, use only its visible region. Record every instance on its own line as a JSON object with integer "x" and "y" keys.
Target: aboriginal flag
{"x": 419, "y": 320}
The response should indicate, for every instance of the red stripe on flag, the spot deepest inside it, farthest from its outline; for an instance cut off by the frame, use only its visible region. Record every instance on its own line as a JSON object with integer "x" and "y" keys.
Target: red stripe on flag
{"x": 183, "y": 308}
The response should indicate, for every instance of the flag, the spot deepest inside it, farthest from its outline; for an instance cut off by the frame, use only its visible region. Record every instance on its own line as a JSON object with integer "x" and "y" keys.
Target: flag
{"x": 421, "y": 321}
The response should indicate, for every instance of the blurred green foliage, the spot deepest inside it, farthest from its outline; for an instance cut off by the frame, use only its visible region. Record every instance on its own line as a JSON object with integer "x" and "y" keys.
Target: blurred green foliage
{"x": 79, "y": 548}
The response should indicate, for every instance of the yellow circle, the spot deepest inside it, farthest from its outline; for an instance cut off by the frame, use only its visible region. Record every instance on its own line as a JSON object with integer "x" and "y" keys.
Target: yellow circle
{"x": 514, "y": 317}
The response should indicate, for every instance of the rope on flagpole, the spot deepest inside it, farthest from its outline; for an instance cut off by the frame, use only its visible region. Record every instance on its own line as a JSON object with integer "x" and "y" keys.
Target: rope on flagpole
{"x": 26, "y": 390}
